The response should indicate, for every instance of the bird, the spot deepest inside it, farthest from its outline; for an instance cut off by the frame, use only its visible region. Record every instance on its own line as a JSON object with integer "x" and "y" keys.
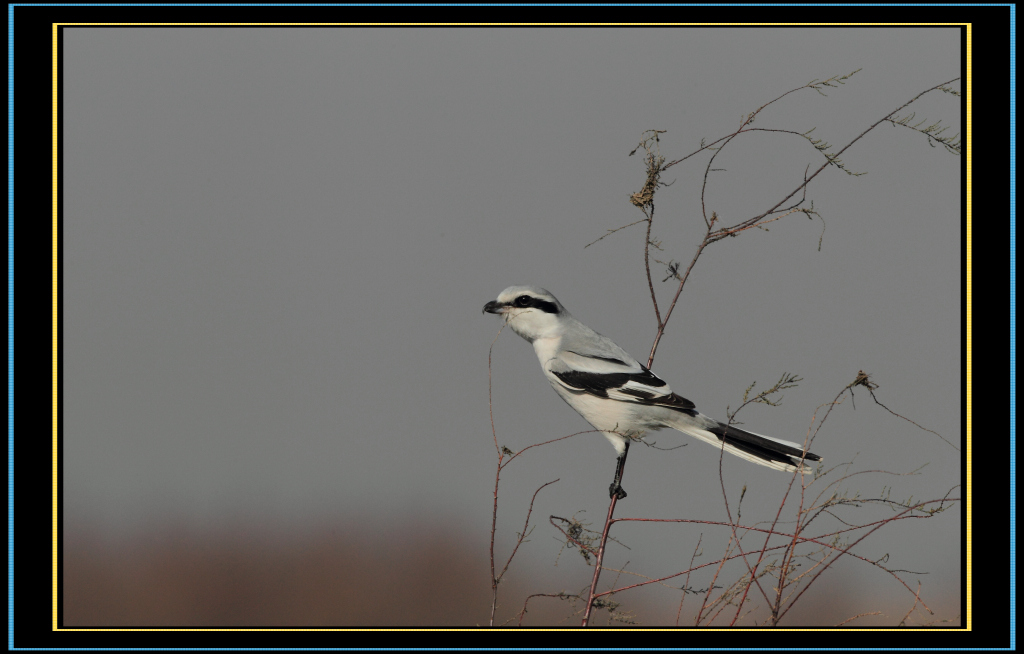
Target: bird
{"x": 618, "y": 395}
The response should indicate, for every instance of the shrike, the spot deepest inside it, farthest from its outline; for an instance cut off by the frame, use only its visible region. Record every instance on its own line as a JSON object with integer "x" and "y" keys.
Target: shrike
{"x": 618, "y": 395}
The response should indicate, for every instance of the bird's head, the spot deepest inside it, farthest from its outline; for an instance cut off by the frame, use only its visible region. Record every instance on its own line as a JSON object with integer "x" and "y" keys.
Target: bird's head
{"x": 530, "y": 311}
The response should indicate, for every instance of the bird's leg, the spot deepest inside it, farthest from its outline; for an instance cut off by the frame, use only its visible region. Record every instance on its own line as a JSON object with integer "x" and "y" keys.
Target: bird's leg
{"x": 615, "y": 490}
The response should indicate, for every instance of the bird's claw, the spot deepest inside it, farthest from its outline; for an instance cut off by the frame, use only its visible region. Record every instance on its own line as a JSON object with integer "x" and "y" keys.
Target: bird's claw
{"x": 616, "y": 491}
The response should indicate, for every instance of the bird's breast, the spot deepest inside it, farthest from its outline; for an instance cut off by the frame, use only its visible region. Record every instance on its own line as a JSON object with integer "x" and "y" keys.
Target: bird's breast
{"x": 546, "y": 349}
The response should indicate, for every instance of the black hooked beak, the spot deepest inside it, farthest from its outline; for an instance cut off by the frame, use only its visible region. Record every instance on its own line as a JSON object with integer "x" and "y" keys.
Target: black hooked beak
{"x": 493, "y": 307}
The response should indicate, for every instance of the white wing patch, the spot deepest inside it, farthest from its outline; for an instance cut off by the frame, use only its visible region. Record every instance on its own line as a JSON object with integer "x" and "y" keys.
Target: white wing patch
{"x": 613, "y": 379}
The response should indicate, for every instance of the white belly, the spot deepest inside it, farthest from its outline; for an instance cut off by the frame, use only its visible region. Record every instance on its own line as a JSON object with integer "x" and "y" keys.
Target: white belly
{"x": 608, "y": 416}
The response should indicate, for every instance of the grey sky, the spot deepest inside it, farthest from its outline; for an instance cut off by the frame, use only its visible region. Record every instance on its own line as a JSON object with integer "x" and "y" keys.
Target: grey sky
{"x": 277, "y": 243}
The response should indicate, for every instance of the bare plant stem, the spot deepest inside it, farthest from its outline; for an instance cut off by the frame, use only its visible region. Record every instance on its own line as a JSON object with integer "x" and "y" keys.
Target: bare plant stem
{"x": 522, "y": 535}
{"x": 497, "y": 478}
{"x": 686, "y": 582}
{"x": 599, "y": 561}
{"x": 494, "y": 523}
{"x": 679, "y": 290}
{"x": 647, "y": 266}
{"x": 712, "y": 235}
{"x": 816, "y": 540}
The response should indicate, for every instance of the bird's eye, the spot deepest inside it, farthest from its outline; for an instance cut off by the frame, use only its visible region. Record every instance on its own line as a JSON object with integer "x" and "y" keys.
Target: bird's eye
{"x": 523, "y": 301}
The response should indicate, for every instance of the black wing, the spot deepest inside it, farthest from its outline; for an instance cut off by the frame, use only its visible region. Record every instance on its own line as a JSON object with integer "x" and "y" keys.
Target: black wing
{"x": 642, "y": 387}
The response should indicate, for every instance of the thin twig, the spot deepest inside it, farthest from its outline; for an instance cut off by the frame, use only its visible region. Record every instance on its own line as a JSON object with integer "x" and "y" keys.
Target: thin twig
{"x": 859, "y": 615}
{"x": 816, "y": 540}
{"x": 612, "y": 231}
{"x": 686, "y": 582}
{"x": 671, "y": 308}
{"x": 735, "y": 537}
{"x": 845, "y": 551}
{"x": 722, "y": 233}
{"x": 917, "y": 600}
{"x": 497, "y": 477}
{"x": 719, "y": 234}
{"x": 647, "y": 263}
{"x": 600, "y": 560}
{"x": 553, "y": 440}
{"x": 870, "y": 390}
{"x": 561, "y": 595}
{"x": 522, "y": 536}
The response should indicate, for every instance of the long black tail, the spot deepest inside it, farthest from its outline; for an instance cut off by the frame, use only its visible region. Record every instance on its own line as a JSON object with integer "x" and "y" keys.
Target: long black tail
{"x": 764, "y": 450}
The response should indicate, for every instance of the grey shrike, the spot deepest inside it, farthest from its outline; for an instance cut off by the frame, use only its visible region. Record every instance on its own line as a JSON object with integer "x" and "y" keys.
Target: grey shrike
{"x": 618, "y": 395}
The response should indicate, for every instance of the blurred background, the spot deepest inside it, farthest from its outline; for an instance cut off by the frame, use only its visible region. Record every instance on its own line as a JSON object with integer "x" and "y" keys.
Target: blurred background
{"x": 277, "y": 243}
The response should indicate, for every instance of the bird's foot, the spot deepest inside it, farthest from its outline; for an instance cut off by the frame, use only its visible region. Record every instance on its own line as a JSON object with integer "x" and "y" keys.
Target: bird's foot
{"x": 616, "y": 491}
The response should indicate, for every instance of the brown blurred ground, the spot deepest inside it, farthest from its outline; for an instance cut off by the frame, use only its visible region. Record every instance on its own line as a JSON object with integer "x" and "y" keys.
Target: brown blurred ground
{"x": 414, "y": 575}
{"x": 248, "y": 577}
